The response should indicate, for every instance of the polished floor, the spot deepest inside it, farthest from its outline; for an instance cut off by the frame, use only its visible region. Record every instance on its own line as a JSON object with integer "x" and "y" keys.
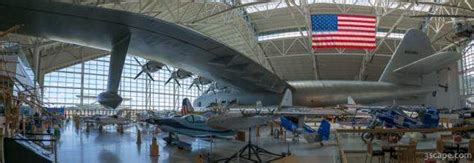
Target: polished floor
{"x": 109, "y": 146}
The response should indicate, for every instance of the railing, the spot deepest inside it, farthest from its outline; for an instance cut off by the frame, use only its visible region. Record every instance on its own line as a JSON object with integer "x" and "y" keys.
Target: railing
{"x": 38, "y": 144}
{"x": 90, "y": 112}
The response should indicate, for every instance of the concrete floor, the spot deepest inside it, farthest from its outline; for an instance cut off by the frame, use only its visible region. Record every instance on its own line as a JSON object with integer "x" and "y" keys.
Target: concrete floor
{"x": 109, "y": 146}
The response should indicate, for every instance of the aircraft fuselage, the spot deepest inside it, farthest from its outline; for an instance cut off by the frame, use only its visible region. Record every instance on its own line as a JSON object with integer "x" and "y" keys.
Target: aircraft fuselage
{"x": 316, "y": 93}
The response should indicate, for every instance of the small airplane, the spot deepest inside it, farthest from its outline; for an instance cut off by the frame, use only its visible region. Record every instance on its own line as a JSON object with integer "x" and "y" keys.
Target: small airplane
{"x": 103, "y": 120}
{"x": 144, "y": 116}
{"x": 191, "y": 125}
{"x": 395, "y": 117}
{"x": 310, "y": 134}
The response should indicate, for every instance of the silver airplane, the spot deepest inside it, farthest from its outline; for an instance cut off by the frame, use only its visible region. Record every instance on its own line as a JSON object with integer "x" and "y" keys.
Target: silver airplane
{"x": 190, "y": 125}
{"x": 409, "y": 72}
{"x": 103, "y": 120}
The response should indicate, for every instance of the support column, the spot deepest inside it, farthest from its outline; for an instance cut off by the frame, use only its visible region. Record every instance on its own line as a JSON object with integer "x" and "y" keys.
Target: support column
{"x": 82, "y": 76}
{"x": 110, "y": 97}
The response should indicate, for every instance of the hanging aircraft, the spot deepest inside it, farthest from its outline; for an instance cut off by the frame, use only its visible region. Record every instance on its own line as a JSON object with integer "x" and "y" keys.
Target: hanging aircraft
{"x": 408, "y": 73}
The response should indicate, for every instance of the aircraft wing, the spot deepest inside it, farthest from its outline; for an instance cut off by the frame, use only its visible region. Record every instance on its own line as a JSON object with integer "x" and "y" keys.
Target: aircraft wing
{"x": 151, "y": 38}
{"x": 289, "y": 111}
{"x": 304, "y": 111}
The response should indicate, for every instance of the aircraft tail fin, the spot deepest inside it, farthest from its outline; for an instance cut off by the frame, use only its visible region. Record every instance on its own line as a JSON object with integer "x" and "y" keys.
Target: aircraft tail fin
{"x": 350, "y": 101}
{"x": 187, "y": 107}
{"x": 414, "y": 46}
{"x": 287, "y": 99}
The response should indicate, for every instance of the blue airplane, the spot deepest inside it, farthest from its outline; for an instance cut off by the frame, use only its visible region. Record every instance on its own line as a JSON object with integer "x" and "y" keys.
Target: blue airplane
{"x": 396, "y": 118}
{"x": 291, "y": 124}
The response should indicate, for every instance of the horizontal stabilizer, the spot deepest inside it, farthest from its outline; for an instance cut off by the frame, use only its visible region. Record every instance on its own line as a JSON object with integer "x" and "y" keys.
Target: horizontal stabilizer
{"x": 429, "y": 64}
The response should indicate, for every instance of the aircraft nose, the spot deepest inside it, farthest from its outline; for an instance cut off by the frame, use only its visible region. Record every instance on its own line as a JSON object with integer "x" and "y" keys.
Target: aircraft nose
{"x": 158, "y": 121}
{"x": 151, "y": 120}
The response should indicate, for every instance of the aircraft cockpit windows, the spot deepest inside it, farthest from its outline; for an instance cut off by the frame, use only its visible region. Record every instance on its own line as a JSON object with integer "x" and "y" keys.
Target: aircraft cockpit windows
{"x": 194, "y": 119}
{"x": 189, "y": 118}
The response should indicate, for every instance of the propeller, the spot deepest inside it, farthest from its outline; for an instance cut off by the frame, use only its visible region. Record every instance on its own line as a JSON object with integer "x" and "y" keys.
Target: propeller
{"x": 199, "y": 81}
{"x": 173, "y": 76}
{"x": 194, "y": 83}
{"x": 145, "y": 68}
{"x": 179, "y": 74}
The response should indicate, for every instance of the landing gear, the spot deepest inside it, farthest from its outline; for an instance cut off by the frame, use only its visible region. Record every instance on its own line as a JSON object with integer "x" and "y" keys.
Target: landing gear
{"x": 250, "y": 150}
{"x": 173, "y": 139}
{"x": 170, "y": 138}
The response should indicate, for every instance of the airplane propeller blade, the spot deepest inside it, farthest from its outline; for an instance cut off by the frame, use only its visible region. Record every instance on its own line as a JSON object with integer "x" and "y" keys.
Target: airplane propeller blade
{"x": 177, "y": 82}
{"x": 138, "y": 61}
{"x": 169, "y": 79}
{"x": 149, "y": 75}
{"x": 167, "y": 68}
{"x": 140, "y": 66}
{"x": 138, "y": 75}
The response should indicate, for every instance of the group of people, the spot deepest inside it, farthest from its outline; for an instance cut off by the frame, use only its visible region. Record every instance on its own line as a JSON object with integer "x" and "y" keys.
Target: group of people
{"x": 39, "y": 124}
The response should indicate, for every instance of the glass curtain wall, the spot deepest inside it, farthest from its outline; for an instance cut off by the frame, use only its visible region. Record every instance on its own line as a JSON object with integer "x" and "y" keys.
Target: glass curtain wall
{"x": 81, "y": 83}
{"x": 468, "y": 71}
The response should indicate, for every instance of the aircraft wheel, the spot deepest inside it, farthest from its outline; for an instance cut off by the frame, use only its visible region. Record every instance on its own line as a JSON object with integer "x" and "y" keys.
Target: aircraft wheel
{"x": 367, "y": 137}
{"x": 167, "y": 140}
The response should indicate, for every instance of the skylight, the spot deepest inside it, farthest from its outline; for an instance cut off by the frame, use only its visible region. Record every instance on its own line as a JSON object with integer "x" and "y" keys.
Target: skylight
{"x": 282, "y": 4}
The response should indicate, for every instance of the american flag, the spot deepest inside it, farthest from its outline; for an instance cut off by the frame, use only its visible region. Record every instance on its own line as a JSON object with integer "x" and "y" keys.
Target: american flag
{"x": 343, "y": 31}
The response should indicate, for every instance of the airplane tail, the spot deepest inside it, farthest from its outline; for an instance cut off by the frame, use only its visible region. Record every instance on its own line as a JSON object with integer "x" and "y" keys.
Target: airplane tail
{"x": 430, "y": 118}
{"x": 414, "y": 59}
{"x": 186, "y": 107}
{"x": 287, "y": 99}
{"x": 350, "y": 101}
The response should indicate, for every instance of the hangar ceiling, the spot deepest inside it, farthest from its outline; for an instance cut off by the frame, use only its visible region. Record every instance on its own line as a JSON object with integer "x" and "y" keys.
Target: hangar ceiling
{"x": 274, "y": 33}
